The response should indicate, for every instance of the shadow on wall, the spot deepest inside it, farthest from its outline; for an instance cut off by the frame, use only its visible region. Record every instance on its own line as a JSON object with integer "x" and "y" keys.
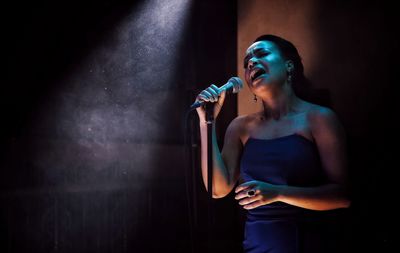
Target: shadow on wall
{"x": 356, "y": 46}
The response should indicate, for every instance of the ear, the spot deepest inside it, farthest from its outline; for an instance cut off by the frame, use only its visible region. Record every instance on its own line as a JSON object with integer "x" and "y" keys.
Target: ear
{"x": 289, "y": 66}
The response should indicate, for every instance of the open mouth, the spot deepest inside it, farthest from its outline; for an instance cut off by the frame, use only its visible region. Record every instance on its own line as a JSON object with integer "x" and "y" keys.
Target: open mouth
{"x": 257, "y": 73}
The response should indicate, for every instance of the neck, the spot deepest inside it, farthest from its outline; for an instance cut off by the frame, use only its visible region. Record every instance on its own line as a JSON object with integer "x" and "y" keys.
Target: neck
{"x": 279, "y": 103}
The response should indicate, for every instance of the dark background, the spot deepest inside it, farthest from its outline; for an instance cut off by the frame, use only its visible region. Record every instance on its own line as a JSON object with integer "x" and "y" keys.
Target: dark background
{"x": 92, "y": 137}
{"x": 92, "y": 148}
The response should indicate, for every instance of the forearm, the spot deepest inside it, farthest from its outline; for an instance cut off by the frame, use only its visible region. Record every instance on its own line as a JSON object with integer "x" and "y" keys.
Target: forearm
{"x": 221, "y": 178}
{"x": 326, "y": 197}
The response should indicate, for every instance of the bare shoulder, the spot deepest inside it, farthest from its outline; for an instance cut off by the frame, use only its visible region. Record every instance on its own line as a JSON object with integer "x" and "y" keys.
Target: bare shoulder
{"x": 324, "y": 120}
{"x": 321, "y": 114}
{"x": 330, "y": 139}
{"x": 240, "y": 125}
{"x": 242, "y": 121}
{"x": 237, "y": 125}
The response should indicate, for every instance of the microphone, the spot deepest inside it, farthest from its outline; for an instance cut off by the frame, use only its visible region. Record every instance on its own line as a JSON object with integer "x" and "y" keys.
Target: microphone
{"x": 234, "y": 85}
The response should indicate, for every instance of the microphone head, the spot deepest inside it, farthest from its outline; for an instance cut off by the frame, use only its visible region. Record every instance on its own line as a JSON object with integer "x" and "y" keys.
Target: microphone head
{"x": 235, "y": 84}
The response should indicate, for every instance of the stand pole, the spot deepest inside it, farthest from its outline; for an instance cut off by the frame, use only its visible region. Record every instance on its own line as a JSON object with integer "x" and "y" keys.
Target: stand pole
{"x": 210, "y": 122}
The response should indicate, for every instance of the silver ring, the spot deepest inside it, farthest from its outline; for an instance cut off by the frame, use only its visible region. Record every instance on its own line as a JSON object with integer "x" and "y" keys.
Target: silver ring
{"x": 251, "y": 193}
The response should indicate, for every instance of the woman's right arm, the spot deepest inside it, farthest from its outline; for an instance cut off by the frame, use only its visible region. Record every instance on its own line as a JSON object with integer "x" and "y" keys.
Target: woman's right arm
{"x": 225, "y": 163}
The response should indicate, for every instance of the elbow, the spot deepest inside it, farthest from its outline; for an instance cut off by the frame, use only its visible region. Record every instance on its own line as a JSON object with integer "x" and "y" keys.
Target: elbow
{"x": 218, "y": 195}
{"x": 338, "y": 203}
{"x": 221, "y": 192}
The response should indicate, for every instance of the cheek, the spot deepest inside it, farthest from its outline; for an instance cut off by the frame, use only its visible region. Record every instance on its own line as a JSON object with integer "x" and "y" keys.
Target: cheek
{"x": 278, "y": 72}
{"x": 247, "y": 75}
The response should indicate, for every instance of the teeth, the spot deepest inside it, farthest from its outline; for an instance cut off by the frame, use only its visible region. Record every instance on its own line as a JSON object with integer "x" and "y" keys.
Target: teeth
{"x": 255, "y": 71}
{"x": 253, "y": 74}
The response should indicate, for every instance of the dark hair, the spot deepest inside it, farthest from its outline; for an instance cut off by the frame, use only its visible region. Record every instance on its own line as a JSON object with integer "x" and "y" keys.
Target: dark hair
{"x": 300, "y": 84}
{"x": 288, "y": 51}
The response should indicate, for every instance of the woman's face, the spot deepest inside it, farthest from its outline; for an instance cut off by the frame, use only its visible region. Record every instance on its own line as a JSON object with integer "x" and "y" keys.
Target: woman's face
{"x": 264, "y": 66}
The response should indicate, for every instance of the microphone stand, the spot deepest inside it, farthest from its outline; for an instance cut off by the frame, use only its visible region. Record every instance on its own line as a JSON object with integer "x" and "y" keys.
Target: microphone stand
{"x": 210, "y": 121}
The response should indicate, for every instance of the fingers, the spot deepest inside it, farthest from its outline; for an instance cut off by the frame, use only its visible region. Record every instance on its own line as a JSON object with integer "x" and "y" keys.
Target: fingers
{"x": 242, "y": 193}
{"x": 245, "y": 186}
{"x": 204, "y": 96}
{"x": 211, "y": 94}
{"x": 246, "y": 200}
{"x": 245, "y": 193}
{"x": 249, "y": 200}
{"x": 254, "y": 204}
{"x": 215, "y": 89}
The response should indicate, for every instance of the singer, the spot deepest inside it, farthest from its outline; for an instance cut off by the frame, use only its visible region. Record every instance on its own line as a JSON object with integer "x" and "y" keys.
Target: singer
{"x": 286, "y": 163}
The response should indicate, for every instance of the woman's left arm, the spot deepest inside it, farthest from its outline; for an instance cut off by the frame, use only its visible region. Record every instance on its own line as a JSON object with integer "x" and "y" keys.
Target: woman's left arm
{"x": 329, "y": 137}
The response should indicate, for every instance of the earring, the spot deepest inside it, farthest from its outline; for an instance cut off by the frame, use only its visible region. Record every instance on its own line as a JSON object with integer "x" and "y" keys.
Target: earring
{"x": 255, "y": 99}
{"x": 289, "y": 78}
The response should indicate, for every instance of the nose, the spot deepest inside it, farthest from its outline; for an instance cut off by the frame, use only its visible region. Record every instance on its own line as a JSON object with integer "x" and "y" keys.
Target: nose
{"x": 253, "y": 61}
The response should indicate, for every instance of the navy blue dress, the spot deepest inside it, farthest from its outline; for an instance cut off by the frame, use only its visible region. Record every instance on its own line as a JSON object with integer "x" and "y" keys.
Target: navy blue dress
{"x": 279, "y": 227}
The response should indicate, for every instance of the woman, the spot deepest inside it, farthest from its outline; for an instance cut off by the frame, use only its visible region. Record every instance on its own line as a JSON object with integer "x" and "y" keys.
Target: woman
{"x": 290, "y": 157}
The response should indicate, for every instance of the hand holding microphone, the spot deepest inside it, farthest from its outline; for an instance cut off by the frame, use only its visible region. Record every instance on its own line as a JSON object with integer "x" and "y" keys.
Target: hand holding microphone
{"x": 216, "y": 95}
{"x": 234, "y": 85}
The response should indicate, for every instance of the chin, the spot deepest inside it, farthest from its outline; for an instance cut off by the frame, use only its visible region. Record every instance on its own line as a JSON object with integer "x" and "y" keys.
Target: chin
{"x": 259, "y": 83}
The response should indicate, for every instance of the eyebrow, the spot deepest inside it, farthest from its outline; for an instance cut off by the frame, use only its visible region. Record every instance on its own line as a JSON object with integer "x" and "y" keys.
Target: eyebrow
{"x": 254, "y": 51}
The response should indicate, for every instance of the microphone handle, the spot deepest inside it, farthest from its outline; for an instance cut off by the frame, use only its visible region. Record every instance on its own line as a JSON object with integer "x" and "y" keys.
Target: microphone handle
{"x": 196, "y": 104}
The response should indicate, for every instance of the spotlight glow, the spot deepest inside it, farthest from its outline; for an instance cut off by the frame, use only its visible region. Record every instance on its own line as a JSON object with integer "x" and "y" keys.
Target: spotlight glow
{"x": 112, "y": 107}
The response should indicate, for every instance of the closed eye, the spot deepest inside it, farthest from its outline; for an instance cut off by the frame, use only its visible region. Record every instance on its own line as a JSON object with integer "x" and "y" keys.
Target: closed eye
{"x": 259, "y": 53}
{"x": 263, "y": 54}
